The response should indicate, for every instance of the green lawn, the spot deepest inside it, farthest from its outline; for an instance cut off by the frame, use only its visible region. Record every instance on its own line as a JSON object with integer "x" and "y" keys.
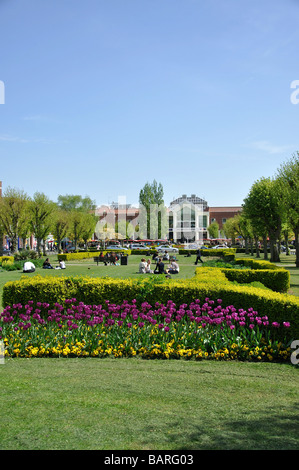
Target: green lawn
{"x": 138, "y": 404}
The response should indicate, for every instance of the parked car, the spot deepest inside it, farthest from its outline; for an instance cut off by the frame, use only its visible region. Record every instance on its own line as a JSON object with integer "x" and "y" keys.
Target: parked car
{"x": 167, "y": 249}
{"x": 221, "y": 247}
{"x": 139, "y": 246}
{"x": 69, "y": 249}
{"x": 115, "y": 247}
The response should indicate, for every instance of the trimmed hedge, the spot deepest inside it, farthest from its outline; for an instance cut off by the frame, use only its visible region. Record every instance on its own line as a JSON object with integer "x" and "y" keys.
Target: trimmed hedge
{"x": 87, "y": 254}
{"x": 210, "y": 252}
{"x": 6, "y": 258}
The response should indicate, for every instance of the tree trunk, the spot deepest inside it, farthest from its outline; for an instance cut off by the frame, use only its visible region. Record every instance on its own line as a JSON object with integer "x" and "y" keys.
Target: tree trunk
{"x": 256, "y": 239}
{"x": 44, "y": 247}
{"x": 286, "y": 241}
{"x": 1, "y": 243}
{"x": 265, "y": 248}
{"x": 297, "y": 246}
{"x": 273, "y": 250}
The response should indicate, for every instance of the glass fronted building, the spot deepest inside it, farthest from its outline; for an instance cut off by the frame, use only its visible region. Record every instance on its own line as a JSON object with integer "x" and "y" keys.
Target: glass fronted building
{"x": 188, "y": 219}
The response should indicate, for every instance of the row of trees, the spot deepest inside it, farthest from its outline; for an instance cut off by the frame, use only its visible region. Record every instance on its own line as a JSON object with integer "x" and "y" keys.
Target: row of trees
{"x": 73, "y": 216}
{"x": 22, "y": 216}
{"x": 271, "y": 211}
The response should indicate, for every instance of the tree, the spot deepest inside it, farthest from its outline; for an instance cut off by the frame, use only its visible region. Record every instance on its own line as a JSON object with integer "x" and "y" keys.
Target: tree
{"x": 76, "y": 226}
{"x": 71, "y": 202}
{"x": 213, "y": 229}
{"x": 40, "y": 210}
{"x": 77, "y": 209}
{"x": 263, "y": 204}
{"x": 124, "y": 228}
{"x": 13, "y": 213}
{"x": 229, "y": 228}
{"x": 59, "y": 226}
{"x": 152, "y": 214}
{"x": 89, "y": 223}
{"x": 288, "y": 179}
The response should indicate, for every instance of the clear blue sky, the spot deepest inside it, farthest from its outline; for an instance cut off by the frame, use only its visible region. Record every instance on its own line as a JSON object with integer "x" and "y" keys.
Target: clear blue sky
{"x": 102, "y": 96}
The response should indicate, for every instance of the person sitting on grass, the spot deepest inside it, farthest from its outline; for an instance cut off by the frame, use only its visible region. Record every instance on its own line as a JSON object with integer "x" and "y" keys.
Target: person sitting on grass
{"x": 174, "y": 268}
{"x": 159, "y": 269}
{"x": 61, "y": 265}
{"x": 142, "y": 266}
{"x": 148, "y": 267}
{"x": 28, "y": 267}
{"x": 47, "y": 264}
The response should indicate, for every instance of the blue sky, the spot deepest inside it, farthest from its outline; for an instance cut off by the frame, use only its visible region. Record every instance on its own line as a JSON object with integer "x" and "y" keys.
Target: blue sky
{"x": 102, "y": 96}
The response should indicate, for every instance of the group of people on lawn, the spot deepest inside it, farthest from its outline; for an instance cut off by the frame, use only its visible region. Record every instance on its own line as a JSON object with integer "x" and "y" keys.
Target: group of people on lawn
{"x": 29, "y": 267}
{"x": 145, "y": 267}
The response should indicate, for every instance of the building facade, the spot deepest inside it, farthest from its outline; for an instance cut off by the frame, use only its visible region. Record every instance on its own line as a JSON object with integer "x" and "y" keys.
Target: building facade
{"x": 188, "y": 218}
{"x": 221, "y": 214}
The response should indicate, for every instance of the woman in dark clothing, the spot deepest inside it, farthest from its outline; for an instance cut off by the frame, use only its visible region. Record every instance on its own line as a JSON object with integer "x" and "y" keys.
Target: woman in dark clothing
{"x": 159, "y": 269}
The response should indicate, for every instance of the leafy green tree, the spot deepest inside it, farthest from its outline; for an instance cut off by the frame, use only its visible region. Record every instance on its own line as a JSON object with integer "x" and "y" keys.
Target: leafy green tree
{"x": 1, "y": 237}
{"x": 40, "y": 211}
{"x": 60, "y": 225}
{"x": 124, "y": 228}
{"x": 89, "y": 224}
{"x": 264, "y": 204}
{"x": 76, "y": 226}
{"x": 13, "y": 213}
{"x": 286, "y": 234}
{"x": 152, "y": 218}
{"x": 77, "y": 208}
{"x": 213, "y": 229}
{"x": 288, "y": 179}
{"x": 229, "y": 228}
{"x": 72, "y": 202}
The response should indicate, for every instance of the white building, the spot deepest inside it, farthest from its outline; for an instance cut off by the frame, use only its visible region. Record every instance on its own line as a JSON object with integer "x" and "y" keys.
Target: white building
{"x": 188, "y": 219}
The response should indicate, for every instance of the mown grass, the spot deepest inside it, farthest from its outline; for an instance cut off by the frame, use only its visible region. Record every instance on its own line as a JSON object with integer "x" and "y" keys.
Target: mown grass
{"x": 135, "y": 404}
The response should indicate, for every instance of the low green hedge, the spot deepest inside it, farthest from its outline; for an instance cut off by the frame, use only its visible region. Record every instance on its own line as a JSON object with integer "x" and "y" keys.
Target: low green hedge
{"x": 87, "y": 254}
{"x": 272, "y": 276}
{"x": 210, "y": 252}
{"x": 6, "y": 258}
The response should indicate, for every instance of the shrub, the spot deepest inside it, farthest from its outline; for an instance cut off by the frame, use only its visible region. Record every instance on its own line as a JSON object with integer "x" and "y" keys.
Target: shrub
{"x": 6, "y": 258}
{"x": 87, "y": 254}
{"x": 220, "y": 253}
{"x": 9, "y": 265}
{"x": 26, "y": 254}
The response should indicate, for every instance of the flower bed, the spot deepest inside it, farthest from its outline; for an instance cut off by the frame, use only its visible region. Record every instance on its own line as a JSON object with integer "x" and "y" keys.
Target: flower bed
{"x": 204, "y": 330}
